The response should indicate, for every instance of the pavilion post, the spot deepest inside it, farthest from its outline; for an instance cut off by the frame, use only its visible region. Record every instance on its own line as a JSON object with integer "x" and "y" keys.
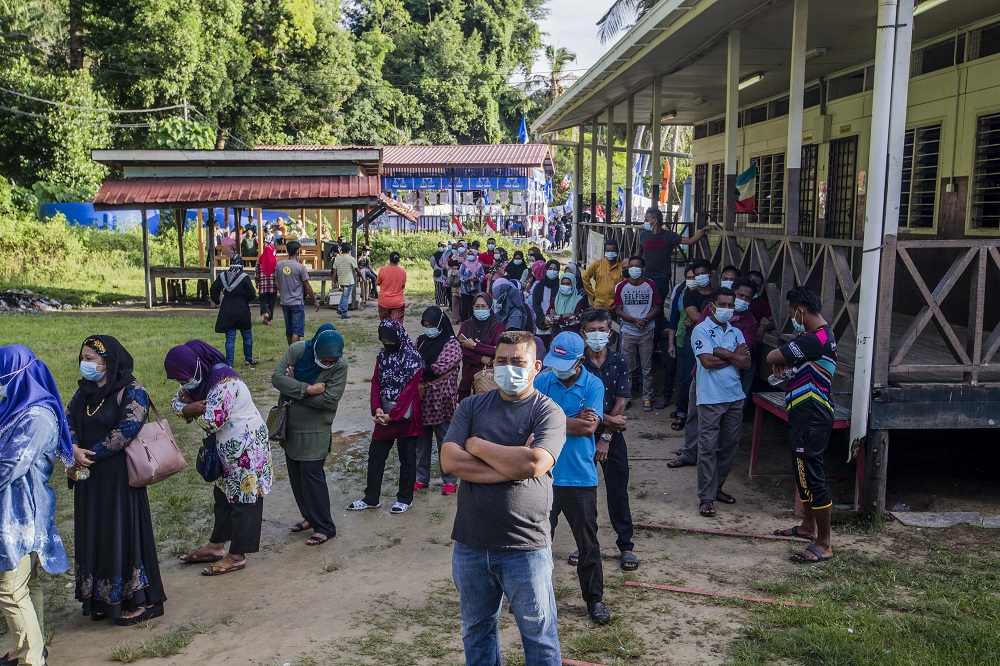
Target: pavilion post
{"x": 796, "y": 91}
{"x": 732, "y": 123}
{"x": 336, "y": 223}
{"x": 656, "y": 135}
{"x": 260, "y": 224}
{"x": 225, "y": 219}
{"x": 357, "y": 279}
{"x": 201, "y": 240}
{"x": 629, "y": 157}
{"x": 319, "y": 228}
{"x": 593, "y": 171}
{"x": 609, "y": 140}
{"x": 577, "y": 193}
{"x": 145, "y": 259}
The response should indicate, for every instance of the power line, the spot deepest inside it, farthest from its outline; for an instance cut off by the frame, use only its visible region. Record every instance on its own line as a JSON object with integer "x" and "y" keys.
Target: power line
{"x": 88, "y": 108}
{"x": 74, "y": 121}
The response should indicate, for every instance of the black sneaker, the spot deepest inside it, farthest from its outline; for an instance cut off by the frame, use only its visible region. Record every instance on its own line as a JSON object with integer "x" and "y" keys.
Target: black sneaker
{"x": 598, "y": 612}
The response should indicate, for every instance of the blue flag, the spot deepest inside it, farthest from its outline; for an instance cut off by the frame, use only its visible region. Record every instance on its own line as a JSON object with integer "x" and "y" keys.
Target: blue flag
{"x": 522, "y": 134}
{"x": 548, "y": 190}
{"x": 621, "y": 201}
{"x": 637, "y": 184}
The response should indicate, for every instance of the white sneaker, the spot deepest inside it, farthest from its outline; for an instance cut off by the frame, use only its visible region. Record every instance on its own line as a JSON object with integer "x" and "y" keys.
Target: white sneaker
{"x": 399, "y": 507}
{"x": 361, "y": 505}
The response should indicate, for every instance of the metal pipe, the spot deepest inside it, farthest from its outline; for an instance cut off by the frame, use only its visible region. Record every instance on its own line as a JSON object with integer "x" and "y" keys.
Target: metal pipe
{"x": 577, "y": 192}
{"x": 796, "y": 98}
{"x": 732, "y": 128}
{"x": 629, "y": 158}
{"x": 654, "y": 190}
{"x": 593, "y": 170}
{"x": 889, "y": 97}
{"x": 610, "y": 164}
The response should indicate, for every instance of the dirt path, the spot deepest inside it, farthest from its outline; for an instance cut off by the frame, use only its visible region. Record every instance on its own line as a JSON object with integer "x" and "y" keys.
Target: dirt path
{"x": 381, "y": 592}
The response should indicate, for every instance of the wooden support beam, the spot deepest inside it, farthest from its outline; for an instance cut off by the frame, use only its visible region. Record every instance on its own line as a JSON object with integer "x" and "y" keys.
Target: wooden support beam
{"x": 876, "y": 461}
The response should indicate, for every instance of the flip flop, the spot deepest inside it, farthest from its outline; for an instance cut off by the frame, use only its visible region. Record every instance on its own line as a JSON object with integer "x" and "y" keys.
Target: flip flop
{"x": 725, "y": 498}
{"x": 317, "y": 540}
{"x": 199, "y": 559}
{"x": 629, "y": 562}
{"x": 800, "y": 558}
{"x": 221, "y": 569}
{"x": 574, "y": 558}
{"x": 299, "y": 527}
{"x": 794, "y": 532}
{"x": 708, "y": 511}
{"x": 678, "y": 424}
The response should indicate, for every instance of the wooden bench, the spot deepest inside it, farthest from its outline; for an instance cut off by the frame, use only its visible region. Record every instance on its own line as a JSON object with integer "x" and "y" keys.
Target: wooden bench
{"x": 774, "y": 402}
{"x": 167, "y": 274}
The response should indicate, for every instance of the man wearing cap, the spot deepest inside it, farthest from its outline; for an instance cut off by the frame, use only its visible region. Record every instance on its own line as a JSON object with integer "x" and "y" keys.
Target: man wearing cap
{"x": 574, "y": 478}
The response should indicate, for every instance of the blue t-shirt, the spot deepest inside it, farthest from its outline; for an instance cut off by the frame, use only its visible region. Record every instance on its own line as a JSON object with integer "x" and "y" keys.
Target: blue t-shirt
{"x": 716, "y": 385}
{"x": 575, "y": 466}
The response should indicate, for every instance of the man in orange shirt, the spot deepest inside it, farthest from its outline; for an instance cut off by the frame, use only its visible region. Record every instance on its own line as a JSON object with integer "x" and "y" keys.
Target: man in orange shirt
{"x": 391, "y": 282}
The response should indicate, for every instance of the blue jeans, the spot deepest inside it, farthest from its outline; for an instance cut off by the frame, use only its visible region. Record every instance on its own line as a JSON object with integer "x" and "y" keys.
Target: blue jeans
{"x": 345, "y": 297}
{"x": 483, "y": 577}
{"x": 231, "y": 345}
{"x": 295, "y": 320}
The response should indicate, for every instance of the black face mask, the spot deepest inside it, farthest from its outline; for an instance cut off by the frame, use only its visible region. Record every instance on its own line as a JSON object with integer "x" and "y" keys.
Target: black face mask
{"x": 392, "y": 349}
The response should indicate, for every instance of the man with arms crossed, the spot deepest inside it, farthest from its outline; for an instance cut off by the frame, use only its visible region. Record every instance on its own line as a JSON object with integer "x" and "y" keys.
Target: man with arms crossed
{"x": 503, "y": 444}
{"x": 812, "y": 357}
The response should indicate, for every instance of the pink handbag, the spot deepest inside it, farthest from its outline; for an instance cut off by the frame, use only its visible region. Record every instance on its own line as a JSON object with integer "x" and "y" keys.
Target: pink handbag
{"x": 153, "y": 455}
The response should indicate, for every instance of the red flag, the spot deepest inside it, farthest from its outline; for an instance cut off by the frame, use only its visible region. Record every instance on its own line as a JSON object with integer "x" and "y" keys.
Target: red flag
{"x": 458, "y": 225}
{"x": 489, "y": 221}
{"x": 665, "y": 185}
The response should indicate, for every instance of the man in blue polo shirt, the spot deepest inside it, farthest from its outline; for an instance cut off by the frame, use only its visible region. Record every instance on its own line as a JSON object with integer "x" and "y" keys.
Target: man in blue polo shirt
{"x": 722, "y": 352}
{"x": 574, "y": 478}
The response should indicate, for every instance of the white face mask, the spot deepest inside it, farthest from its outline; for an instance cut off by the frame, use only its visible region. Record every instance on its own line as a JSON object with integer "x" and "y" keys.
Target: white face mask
{"x": 3, "y": 387}
{"x": 722, "y": 315}
{"x": 597, "y": 340}
{"x": 647, "y": 226}
{"x": 691, "y": 284}
{"x": 565, "y": 289}
{"x": 703, "y": 280}
{"x": 552, "y": 275}
{"x": 728, "y": 284}
{"x": 497, "y": 256}
{"x": 741, "y": 305}
{"x": 565, "y": 374}
{"x": 799, "y": 328}
{"x": 518, "y": 262}
{"x": 491, "y": 247}
{"x": 432, "y": 332}
{"x": 512, "y": 379}
{"x": 635, "y": 272}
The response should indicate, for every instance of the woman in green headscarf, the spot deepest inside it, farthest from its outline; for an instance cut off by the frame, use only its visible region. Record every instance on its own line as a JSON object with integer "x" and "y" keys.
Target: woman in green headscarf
{"x": 567, "y": 305}
{"x": 312, "y": 375}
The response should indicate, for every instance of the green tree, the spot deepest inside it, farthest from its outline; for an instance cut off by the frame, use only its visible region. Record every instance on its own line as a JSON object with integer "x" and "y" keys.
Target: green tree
{"x": 621, "y": 15}
{"x": 551, "y": 85}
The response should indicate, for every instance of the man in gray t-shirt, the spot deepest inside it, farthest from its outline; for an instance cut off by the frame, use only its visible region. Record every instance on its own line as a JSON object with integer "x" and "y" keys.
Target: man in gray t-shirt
{"x": 292, "y": 279}
{"x": 503, "y": 445}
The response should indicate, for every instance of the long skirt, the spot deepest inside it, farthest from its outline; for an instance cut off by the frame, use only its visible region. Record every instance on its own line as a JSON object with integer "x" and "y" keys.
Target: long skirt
{"x": 117, "y": 570}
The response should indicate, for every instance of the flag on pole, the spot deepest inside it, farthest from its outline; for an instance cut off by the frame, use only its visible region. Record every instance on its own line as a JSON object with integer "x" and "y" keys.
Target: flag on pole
{"x": 621, "y": 201}
{"x": 548, "y": 190}
{"x": 746, "y": 190}
{"x": 490, "y": 223}
{"x": 522, "y": 134}
{"x": 665, "y": 185}
{"x": 567, "y": 181}
{"x": 569, "y": 201}
{"x": 457, "y": 226}
{"x": 637, "y": 185}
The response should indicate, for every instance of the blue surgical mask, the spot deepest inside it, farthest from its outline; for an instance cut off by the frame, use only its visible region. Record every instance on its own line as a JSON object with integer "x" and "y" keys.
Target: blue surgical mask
{"x": 471, "y": 257}
{"x": 722, "y": 315}
{"x": 647, "y": 226}
{"x": 482, "y": 315}
{"x": 191, "y": 385}
{"x": 565, "y": 289}
{"x": 518, "y": 262}
{"x": 564, "y": 374}
{"x": 491, "y": 247}
{"x": 497, "y": 256}
{"x": 432, "y": 332}
{"x": 703, "y": 280}
{"x": 728, "y": 284}
{"x": 552, "y": 275}
{"x": 799, "y": 328}
{"x": 610, "y": 256}
{"x": 512, "y": 379}
{"x": 691, "y": 284}
{"x": 597, "y": 340}
{"x": 635, "y": 272}
{"x": 89, "y": 371}
{"x": 741, "y": 305}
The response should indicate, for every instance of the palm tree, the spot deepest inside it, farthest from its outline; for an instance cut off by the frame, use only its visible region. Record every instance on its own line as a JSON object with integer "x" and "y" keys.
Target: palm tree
{"x": 622, "y": 15}
{"x": 552, "y": 84}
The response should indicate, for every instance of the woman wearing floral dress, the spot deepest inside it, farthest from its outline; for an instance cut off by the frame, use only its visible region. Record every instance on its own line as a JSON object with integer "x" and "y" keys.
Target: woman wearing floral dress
{"x": 117, "y": 570}
{"x": 442, "y": 359}
{"x": 216, "y": 397}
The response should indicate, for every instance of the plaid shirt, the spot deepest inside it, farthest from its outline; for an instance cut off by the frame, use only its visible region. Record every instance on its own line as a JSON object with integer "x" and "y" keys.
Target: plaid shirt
{"x": 265, "y": 283}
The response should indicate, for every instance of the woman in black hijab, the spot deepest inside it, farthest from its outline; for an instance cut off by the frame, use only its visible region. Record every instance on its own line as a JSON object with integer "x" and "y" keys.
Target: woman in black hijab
{"x": 442, "y": 356}
{"x": 117, "y": 571}
{"x": 543, "y": 297}
{"x": 516, "y": 269}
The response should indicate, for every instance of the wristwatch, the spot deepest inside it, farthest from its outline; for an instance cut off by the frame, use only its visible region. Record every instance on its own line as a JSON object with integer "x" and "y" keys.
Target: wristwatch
{"x": 606, "y": 437}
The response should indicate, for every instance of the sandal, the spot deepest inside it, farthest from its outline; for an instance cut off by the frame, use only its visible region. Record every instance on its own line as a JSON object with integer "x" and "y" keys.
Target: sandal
{"x": 220, "y": 569}
{"x": 802, "y": 558}
{"x": 574, "y": 558}
{"x": 707, "y": 510}
{"x": 725, "y": 498}
{"x": 794, "y": 532}
{"x": 629, "y": 562}
{"x": 317, "y": 540}
{"x": 299, "y": 527}
{"x": 678, "y": 423}
{"x": 678, "y": 463}
{"x": 199, "y": 557}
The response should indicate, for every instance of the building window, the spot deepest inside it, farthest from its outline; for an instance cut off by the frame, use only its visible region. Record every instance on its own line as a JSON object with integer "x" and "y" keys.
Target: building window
{"x": 984, "y": 42}
{"x": 986, "y": 174}
{"x": 778, "y": 108}
{"x": 717, "y": 200}
{"x": 846, "y": 85}
{"x": 807, "y": 190}
{"x": 716, "y": 127}
{"x": 936, "y": 57}
{"x": 701, "y": 131}
{"x": 812, "y": 97}
{"x": 700, "y": 187}
{"x": 770, "y": 189}
{"x": 920, "y": 173}
{"x": 756, "y": 114}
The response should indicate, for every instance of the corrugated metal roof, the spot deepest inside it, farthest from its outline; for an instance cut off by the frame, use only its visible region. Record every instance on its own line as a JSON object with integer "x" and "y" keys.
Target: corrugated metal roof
{"x": 481, "y": 155}
{"x": 287, "y": 190}
{"x": 400, "y": 208}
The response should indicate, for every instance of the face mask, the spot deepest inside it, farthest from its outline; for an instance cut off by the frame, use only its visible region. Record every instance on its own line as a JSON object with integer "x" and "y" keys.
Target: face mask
{"x": 89, "y": 371}
{"x": 728, "y": 284}
{"x": 432, "y": 332}
{"x": 391, "y": 349}
{"x": 497, "y": 256}
{"x": 741, "y": 305}
{"x": 635, "y": 272}
{"x": 552, "y": 275}
{"x": 512, "y": 379}
{"x": 518, "y": 262}
{"x": 691, "y": 284}
{"x": 610, "y": 256}
{"x": 597, "y": 341}
{"x": 799, "y": 328}
{"x": 483, "y": 315}
{"x": 647, "y": 226}
{"x": 565, "y": 374}
{"x": 722, "y": 315}
{"x": 325, "y": 367}
{"x": 491, "y": 247}
{"x": 565, "y": 289}
{"x": 3, "y": 387}
{"x": 191, "y": 385}
{"x": 703, "y": 280}
{"x": 471, "y": 257}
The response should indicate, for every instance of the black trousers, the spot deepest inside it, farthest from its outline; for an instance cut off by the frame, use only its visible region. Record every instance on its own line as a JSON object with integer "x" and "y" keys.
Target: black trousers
{"x": 238, "y": 523}
{"x": 308, "y": 481}
{"x": 378, "y": 453}
{"x": 267, "y": 302}
{"x": 808, "y": 447}
{"x": 579, "y": 505}
{"x": 616, "y": 482}
{"x": 466, "y": 309}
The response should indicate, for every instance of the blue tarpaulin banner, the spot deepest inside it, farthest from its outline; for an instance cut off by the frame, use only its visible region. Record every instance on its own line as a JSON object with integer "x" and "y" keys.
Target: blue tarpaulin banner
{"x": 461, "y": 184}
